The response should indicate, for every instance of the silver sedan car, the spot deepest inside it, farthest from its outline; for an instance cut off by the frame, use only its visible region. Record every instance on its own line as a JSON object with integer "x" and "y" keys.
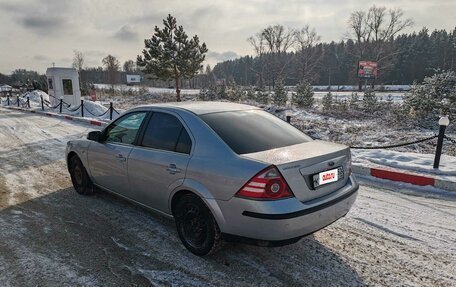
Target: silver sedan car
{"x": 222, "y": 171}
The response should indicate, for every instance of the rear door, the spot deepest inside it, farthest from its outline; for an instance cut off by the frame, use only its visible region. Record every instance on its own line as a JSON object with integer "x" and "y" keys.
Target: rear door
{"x": 108, "y": 159}
{"x": 158, "y": 164}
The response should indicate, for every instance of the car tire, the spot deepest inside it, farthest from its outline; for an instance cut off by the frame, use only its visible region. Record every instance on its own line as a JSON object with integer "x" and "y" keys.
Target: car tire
{"x": 79, "y": 177}
{"x": 196, "y": 226}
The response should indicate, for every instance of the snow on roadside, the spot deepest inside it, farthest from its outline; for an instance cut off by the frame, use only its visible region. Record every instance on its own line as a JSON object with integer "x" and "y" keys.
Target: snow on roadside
{"x": 151, "y": 90}
{"x": 396, "y": 97}
{"x": 91, "y": 110}
{"x": 415, "y": 162}
{"x": 35, "y": 96}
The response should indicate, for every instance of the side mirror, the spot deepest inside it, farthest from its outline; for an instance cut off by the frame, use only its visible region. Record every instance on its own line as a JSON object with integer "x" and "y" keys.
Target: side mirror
{"x": 94, "y": 136}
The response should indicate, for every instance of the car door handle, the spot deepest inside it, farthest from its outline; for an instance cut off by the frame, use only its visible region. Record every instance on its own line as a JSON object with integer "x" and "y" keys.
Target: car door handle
{"x": 172, "y": 169}
{"x": 120, "y": 157}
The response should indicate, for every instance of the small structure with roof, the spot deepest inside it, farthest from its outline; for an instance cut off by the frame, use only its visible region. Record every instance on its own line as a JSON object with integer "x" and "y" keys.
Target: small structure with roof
{"x": 63, "y": 83}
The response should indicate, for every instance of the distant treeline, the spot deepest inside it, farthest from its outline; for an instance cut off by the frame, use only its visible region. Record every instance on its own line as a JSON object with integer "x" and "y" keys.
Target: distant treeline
{"x": 418, "y": 55}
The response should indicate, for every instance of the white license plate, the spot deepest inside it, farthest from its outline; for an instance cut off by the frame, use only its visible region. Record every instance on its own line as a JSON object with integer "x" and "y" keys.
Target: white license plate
{"x": 326, "y": 177}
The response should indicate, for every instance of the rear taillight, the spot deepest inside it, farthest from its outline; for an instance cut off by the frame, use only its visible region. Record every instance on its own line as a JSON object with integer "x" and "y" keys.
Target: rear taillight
{"x": 349, "y": 163}
{"x": 268, "y": 184}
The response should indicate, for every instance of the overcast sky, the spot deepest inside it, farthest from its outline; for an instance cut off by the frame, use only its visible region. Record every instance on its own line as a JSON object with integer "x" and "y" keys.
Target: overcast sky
{"x": 34, "y": 34}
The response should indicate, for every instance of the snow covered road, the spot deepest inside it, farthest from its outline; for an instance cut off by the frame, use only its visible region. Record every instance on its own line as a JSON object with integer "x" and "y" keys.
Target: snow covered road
{"x": 50, "y": 236}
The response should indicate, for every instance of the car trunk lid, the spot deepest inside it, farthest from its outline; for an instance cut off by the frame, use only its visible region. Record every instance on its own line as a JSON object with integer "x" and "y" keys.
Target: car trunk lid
{"x": 299, "y": 163}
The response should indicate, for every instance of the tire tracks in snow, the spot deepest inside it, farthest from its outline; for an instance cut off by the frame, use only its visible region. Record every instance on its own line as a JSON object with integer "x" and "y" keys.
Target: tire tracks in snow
{"x": 31, "y": 153}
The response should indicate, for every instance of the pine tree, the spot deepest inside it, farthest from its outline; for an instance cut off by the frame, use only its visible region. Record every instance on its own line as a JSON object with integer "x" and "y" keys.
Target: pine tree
{"x": 327, "y": 102}
{"x": 262, "y": 97}
{"x": 233, "y": 92}
{"x": 434, "y": 97}
{"x": 303, "y": 97}
{"x": 370, "y": 102}
{"x": 171, "y": 54}
{"x": 354, "y": 100}
{"x": 250, "y": 94}
{"x": 280, "y": 94}
{"x": 221, "y": 92}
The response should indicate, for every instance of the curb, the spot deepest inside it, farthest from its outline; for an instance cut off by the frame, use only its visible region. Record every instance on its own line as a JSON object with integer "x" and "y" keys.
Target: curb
{"x": 399, "y": 176}
{"x": 89, "y": 121}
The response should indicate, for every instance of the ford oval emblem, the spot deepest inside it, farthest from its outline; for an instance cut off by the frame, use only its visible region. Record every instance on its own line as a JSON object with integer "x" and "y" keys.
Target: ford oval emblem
{"x": 331, "y": 163}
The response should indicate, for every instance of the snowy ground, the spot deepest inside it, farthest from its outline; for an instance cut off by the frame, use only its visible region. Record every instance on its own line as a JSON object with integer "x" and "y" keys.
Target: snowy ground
{"x": 407, "y": 161}
{"x": 371, "y": 131}
{"x": 50, "y": 236}
{"x": 396, "y": 97}
{"x": 152, "y": 90}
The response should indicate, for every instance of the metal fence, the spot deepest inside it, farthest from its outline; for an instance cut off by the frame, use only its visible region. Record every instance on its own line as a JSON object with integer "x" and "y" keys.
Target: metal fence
{"x": 62, "y": 106}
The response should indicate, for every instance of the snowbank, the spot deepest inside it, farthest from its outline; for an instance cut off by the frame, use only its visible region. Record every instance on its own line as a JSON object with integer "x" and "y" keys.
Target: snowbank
{"x": 415, "y": 162}
{"x": 91, "y": 110}
{"x": 35, "y": 96}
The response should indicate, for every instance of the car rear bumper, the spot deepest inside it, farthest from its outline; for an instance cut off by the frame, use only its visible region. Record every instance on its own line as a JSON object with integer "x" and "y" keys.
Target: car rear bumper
{"x": 284, "y": 220}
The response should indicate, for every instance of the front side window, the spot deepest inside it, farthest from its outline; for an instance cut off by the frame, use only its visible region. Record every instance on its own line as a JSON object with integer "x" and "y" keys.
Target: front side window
{"x": 166, "y": 132}
{"x": 125, "y": 129}
{"x": 67, "y": 87}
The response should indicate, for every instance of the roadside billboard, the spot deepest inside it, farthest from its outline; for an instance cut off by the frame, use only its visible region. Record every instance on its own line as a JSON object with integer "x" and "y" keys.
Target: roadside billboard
{"x": 367, "y": 70}
{"x": 133, "y": 79}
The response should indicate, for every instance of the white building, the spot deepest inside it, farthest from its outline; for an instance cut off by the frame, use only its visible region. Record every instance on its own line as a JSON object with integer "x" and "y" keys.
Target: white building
{"x": 63, "y": 83}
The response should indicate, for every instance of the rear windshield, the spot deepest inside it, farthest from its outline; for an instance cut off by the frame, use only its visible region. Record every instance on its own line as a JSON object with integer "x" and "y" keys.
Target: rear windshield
{"x": 253, "y": 131}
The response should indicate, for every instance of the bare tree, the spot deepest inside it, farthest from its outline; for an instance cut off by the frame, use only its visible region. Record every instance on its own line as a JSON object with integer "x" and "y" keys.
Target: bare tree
{"x": 373, "y": 31}
{"x": 306, "y": 54}
{"x": 278, "y": 39}
{"x": 78, "y": 64}
{"x": 257, "y": 43}
{"x": 270, "y": 46}
{"x": 78, "y": 60}
{"x": 129, "y": 66}
{"x": 112, "y": 66}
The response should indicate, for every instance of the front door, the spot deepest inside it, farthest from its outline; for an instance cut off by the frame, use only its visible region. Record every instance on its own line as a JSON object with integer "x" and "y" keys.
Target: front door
{"x": 159, "y": 162}
{"x": 108, "y": 159}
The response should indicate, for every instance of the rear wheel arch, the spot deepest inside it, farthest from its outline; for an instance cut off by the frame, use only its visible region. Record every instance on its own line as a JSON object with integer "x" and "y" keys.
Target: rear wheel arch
{"x": 195, "y": 222}
{"x": 177, "y": 195}
{"x": 210, "y": 203}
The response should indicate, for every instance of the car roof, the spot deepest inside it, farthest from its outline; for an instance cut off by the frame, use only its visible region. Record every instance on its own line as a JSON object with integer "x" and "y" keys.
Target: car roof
{"x": 201, "y": 108}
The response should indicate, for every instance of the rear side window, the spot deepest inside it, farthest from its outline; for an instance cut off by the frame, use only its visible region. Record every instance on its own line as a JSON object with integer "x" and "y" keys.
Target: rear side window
{"x": 253, "y": 131}
{"x": 166, "y": 132}
{"x": 184, "y": 143}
